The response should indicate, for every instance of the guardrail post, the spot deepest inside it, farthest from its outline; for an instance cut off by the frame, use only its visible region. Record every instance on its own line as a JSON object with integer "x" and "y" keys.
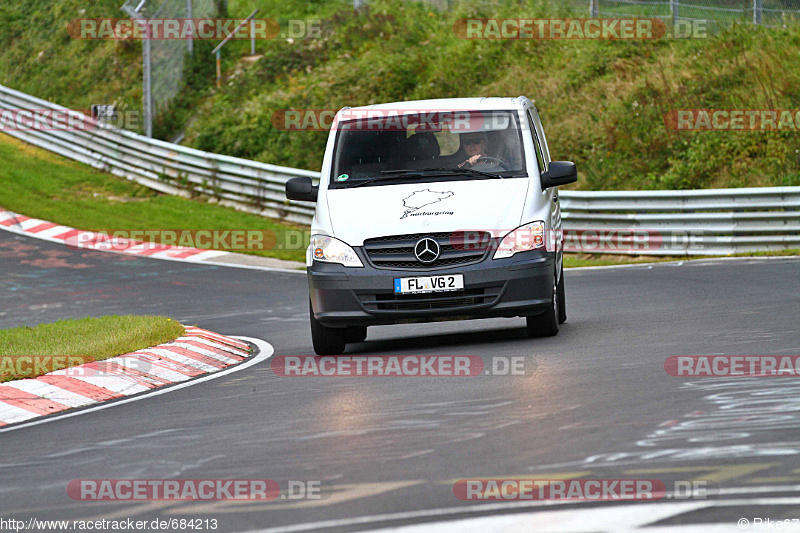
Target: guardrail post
{"x": 674, "y": 10}
{"x": 218, "y": 49}
{"x": 189, "y": 15}
{"x": 219, "y": 70}
{"x": 148, "y": 89}
{"x": 756, "y": 12}
{"x": 252, "y": 37}
{"x": 594, "y": 8}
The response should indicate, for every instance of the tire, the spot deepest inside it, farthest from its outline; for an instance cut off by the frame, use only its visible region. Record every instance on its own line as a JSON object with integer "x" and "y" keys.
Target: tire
{"x": 562, "y": 299}
{"x": 356, "y": 334}
{"x": 326, "y": 341}
{"x": 546, "y": 324}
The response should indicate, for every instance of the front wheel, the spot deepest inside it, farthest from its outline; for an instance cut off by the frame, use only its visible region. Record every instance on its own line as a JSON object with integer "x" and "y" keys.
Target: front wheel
{"x": 546, "y": 324}
{"x": 326, "y": 341}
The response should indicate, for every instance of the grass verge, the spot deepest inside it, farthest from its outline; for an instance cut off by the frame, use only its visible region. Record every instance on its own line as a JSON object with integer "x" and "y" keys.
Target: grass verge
{"x": 573, "y": 260}
{"x": 27, "y": 352}
{"x": 43, "y": 185}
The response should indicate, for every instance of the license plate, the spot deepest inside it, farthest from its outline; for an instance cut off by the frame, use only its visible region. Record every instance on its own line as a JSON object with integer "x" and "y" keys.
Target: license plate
{"x": 453, "y": 282}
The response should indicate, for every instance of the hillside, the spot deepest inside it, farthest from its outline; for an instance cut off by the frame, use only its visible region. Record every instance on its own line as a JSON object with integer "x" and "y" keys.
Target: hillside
{"x": 603, "y": 102}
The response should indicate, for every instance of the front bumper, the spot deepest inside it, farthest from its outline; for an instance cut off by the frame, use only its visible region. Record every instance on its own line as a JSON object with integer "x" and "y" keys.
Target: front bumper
{"x": 517, "y": 286}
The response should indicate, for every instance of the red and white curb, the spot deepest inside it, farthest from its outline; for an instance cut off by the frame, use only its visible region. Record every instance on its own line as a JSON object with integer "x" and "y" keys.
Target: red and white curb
{"x": 91, "y": 240}
{"x": 196, "y": 353}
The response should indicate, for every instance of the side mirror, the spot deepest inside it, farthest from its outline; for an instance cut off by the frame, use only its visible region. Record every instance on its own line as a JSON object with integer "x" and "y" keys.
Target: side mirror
{"x": 301, "y": 189}
{"x": 559, "y": 173}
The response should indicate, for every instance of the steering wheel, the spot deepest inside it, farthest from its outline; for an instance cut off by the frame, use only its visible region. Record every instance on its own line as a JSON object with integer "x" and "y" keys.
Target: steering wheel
{"x": 494, "y": 161}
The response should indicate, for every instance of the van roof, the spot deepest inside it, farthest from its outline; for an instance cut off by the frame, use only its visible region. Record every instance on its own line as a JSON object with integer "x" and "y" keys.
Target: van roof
{"x": 477, "y": 104}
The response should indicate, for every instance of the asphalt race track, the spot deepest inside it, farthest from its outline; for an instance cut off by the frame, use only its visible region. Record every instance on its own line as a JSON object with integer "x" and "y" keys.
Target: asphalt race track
{"x": 595, "y": 400}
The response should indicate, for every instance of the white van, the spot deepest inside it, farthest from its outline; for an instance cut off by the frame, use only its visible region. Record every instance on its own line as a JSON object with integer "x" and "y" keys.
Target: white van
{"x": 434, "y": 210}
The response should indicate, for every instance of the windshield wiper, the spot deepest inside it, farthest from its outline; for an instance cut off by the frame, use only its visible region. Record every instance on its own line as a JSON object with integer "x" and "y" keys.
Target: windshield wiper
{"x": 392, "y": 174}
{"x": 448, "y": 171}
{"x": 371, "y": 180}
{"x": 469, "y": 171}
{"x": 409, "y": 173}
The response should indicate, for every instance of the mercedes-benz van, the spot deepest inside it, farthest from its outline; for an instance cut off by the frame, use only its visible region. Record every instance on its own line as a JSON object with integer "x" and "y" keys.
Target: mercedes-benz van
{"x": 434, "y": 210}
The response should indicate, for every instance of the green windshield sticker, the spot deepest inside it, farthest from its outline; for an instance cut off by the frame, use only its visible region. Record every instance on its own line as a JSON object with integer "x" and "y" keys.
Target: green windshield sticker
{"x": 342, "y": 177}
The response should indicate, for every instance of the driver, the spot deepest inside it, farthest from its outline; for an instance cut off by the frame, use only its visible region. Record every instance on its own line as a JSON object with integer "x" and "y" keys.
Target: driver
{"x": 475, "y": 147}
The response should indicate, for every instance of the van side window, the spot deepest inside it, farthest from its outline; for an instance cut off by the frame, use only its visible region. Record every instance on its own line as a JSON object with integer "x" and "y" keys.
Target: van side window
{"x": 537, "y": 144}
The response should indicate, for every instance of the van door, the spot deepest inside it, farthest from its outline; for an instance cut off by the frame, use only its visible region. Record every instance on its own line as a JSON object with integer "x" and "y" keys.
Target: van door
{"x": 543, "y": 160}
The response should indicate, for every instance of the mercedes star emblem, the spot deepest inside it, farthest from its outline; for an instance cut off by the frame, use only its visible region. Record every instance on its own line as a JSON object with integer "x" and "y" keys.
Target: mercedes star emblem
{"x": 427, "y": 250}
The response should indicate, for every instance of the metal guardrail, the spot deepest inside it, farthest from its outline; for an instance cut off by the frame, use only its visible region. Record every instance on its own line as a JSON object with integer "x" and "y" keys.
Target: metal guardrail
{"x": 166, "y": 167}
{"x": 690, "y": 222}
{"x": 693, "y": 222}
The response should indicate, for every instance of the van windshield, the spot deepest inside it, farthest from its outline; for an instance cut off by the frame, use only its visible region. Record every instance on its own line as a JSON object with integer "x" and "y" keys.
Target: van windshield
{"x": 378, "y": 147}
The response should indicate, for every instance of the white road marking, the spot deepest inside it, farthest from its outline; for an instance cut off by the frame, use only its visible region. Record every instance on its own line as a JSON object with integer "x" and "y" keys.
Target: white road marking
{"x": 613, "y": 518}
{"x": 609, "y": 518}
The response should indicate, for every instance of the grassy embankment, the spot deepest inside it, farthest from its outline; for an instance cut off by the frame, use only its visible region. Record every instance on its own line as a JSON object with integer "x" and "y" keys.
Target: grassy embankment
{"x": 39, "y": 184}
{"x": 603, "y": 102}
{"x": 27, "y": 352}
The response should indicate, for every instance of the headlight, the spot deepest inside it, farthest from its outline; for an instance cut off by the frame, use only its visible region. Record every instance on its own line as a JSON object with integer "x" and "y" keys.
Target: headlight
{"x": 523, "y": 239}
{"x": 329, "y": 250}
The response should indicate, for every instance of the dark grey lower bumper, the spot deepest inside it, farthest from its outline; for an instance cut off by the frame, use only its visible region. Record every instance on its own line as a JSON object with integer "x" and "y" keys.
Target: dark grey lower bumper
{"x": 518, "y": 286}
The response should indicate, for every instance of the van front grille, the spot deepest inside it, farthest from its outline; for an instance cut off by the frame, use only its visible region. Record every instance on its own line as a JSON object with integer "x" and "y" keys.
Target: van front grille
{"x": 456, "y": 248}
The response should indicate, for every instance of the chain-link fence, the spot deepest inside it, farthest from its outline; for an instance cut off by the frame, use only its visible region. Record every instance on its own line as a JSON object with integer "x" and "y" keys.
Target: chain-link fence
{"x": 716, "y": 12}
{"x": 168, "y": 55}
{"x": 762, "y": 12}
{"x": 164, "y": 58}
